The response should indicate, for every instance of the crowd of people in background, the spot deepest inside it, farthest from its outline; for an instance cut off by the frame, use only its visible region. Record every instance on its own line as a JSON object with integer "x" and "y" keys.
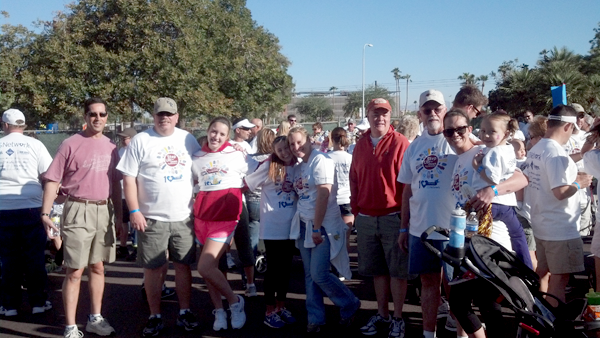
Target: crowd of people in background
{"x": 188, "y": 200}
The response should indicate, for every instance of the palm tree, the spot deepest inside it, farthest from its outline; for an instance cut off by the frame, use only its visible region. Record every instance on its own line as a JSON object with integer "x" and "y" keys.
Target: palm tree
{"x": 467, "y": 78}
{"x": 407, "y": 77}
{"x": 332, "y": 90}
{"x": 397, "y": 77}
{"x": 482, "y": 79}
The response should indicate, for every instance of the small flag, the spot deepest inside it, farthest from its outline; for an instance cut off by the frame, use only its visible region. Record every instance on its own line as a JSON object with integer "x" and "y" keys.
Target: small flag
{"x": 559, "y": 95}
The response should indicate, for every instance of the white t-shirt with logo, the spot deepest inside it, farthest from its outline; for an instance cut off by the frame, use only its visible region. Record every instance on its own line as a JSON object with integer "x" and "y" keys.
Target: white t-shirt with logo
{"x": 319, "y": 170}
{"x": 342, "y": 160}
{"x": 22, "y": 160}
{"x": 427, "y": 166}
{"x": 499, "y": 163}
{"x": 548, "y": 166}
{"x": 220, "y": 170}
{"x": 162, "y": 166}
{"x": 277, "y": 202}
{"x": 462, "y": 189}
{"x": 245, "y": 145}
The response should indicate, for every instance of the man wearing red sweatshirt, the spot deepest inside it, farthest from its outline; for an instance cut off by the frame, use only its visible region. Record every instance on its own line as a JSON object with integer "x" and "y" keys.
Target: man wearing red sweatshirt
{"x": 376, "y": 203}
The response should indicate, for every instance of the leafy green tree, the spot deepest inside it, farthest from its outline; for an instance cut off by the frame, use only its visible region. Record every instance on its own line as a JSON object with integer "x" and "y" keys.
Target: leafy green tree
{"x": 210, "y": 56}
{"x": 467, "y": 78}
{"x": 354, "y": 102}
{"x": 482, "y": 79}
{"x": 315, "y": 108}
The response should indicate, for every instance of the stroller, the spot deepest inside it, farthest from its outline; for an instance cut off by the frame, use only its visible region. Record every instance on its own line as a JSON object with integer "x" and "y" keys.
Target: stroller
{"x": 518, "y": 285}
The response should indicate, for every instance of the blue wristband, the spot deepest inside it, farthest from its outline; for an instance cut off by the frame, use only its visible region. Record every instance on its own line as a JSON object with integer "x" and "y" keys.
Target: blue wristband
{"x": 480, "y": 169}
{"x": 401, "y": 231}
{"x": 316, "y": 230}
{"x": 134, "y": 211}
{"x": 495, "y": 190}
{"x": 578, "y": 186}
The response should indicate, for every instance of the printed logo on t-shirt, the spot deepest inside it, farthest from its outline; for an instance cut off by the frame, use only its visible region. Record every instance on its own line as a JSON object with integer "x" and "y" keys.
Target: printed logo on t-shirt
{"x": 301, "y": 185}
{"x": 212, "y": 173}
{"x": 172, "y": 163}
{"x": 430, "y": 165}
{"x": 98, "y": 162}
{"x": 285, "y": 191}
{"x": 461, "y": 189}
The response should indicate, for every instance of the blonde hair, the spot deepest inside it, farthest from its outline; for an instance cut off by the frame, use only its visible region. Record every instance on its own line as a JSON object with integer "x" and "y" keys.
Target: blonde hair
{"x": 277, "y": 166}
{"x": 284, "y": 128}
{"x": 408, "y": 126}
{"x": 264, "y": 141}
{"x": 301, "y": 130}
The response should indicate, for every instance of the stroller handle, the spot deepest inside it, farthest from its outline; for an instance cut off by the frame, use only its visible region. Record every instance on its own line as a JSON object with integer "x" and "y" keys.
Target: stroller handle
{"x": 429, "y": 231}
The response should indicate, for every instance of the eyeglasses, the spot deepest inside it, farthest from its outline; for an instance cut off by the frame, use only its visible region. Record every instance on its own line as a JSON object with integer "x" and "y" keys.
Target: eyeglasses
{"x": 437, "y": 110}
{"x": 89, "y": 114}
{"x": 477, "y": 111}
{"x": 164, "y": 113}
{"x": 460, "y": 131}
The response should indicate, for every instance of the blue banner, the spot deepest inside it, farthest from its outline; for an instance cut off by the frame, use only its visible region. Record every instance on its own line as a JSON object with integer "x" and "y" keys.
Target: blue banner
{"x": 559, "y": 95}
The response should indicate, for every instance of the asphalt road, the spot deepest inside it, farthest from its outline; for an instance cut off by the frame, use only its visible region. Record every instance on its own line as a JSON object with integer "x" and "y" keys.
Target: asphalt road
{"x": 127, "y": 312}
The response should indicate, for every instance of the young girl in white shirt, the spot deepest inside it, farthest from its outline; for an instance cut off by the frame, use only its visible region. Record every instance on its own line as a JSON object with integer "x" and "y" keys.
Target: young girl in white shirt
{"x": 495, "y": 164}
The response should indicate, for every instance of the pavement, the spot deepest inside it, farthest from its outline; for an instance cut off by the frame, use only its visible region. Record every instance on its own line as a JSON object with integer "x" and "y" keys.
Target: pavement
{"x": 127, "y": 312}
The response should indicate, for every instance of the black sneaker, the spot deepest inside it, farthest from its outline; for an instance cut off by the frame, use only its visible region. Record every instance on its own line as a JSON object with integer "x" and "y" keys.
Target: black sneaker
{"x": 122, "y": 252}
{"x": 153, "y": 327}
{"x": 187, "y": 321}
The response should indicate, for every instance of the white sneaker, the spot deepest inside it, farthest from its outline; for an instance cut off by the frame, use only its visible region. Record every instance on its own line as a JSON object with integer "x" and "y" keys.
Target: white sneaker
{"x": 220, "y": 319}
{"x": 238, "y": 316}
{"x": 251, "y": 291}
{"x": 8, "y": 313}
{"x": 73, "y": 333}
{"x": 99, "y": 326}
{"x": 41, "y": 309}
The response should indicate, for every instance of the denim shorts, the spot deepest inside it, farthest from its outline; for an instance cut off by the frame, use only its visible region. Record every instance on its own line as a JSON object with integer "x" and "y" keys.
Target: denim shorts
{"x": 421, "y": 260}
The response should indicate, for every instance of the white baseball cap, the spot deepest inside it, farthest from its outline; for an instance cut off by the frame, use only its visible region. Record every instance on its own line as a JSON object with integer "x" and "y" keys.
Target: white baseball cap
{"x": 14, "y": 117}
{"x": 431, "y": 95}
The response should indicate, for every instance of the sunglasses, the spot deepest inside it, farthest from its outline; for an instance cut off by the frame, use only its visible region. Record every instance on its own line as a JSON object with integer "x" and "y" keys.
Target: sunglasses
{"x": 105, "y": 114}
{"x": 291, "y": 120}
{"x": 460, "y": 131}
{"x": 477, "y": 111}
{"x": 164, "y": 113}
{"x": 437, "y": 111}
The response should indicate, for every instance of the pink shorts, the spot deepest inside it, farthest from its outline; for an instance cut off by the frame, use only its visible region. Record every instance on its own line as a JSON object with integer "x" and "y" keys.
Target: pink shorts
{"x": 219, "y": 231}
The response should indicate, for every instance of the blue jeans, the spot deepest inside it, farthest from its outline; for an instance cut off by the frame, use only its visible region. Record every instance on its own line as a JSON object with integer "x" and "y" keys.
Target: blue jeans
{"x": 22, "y": 244}
{"x": 253, "y": 223}
{"x": 320, "y": 282}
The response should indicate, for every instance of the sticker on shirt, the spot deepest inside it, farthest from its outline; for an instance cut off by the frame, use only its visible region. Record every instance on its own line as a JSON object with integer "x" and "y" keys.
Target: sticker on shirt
{"x": 212, "y": 173}
{"x": 301, "y": 186}
{"x": 430, "y": 165}
{"x": 172, "y": 163}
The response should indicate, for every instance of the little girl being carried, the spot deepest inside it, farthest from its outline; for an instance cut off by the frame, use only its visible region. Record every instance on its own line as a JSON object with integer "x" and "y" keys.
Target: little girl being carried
{"x": 495, "y": 164}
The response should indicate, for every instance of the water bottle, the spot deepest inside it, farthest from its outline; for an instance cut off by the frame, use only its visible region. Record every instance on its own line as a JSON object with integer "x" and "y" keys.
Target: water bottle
{"x": 457, "y": 229}
{"x": 56, "y": 220}
{"x": 472, "y": 225}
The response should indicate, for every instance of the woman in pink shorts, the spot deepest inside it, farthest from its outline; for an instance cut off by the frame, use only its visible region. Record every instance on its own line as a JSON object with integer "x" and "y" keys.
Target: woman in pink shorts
{"x": 219, "y": 169}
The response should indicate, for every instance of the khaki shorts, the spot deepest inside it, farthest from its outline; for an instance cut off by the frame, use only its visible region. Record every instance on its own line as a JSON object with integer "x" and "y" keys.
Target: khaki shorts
{"x": 560, "y": 257}
{"x": 378, "y": 250}
{"x": 88, "y": 233}
{"x": 158, "y": 237}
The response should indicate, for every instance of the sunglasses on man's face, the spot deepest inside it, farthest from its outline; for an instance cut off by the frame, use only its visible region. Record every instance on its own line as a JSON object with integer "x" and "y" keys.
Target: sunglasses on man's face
{"x": 292, "y": 120}
{"x": 97, "y": 114}
{"x": 460, "y": 131}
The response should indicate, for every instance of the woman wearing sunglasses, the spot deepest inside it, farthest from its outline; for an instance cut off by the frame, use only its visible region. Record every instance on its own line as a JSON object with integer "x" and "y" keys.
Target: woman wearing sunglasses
{"x": 457, "y": 132}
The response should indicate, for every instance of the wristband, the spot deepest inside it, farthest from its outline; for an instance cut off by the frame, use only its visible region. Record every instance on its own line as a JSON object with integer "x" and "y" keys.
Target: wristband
{"x": 316, "y": 230}
{"x": 134, "y": 211}
{"x": 480, "y": 169}
{"x": 578, "y": 186}
{"x": 45, "y": 214}
{"x": 401, "y": 231}
{"x": 495, "y": 190}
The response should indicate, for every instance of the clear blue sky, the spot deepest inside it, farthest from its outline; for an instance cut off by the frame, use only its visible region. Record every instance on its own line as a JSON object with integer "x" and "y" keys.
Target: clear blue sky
{"x": 433, "y": 41}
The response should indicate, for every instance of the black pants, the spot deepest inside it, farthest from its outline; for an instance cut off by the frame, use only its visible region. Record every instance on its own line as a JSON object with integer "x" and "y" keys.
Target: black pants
{"x": 484, "y": 295}
{"x": 280, "y": 254}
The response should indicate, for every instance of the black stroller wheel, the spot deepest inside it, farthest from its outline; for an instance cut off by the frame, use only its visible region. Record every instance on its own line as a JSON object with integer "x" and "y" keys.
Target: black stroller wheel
{"x": 261, "y": 264}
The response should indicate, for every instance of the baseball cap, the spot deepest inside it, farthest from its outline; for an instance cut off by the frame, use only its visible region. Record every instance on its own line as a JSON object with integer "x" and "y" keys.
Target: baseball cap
{"x": 363, "y": 125}
{"x": 351, "y": 121}
{"x": 379, "y": 103}
{"x": 13, "y": 117}
{"x": 128, "y": 132}
{"x": 578, "y": 108}
{"x": 165, "y": 104}
{"x": 244, "y": 123}
{"x": 431, "y": 95}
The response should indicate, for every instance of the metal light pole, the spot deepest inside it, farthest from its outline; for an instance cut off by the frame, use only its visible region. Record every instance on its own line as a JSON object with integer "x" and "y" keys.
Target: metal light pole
{"x": 362, "y": 112}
